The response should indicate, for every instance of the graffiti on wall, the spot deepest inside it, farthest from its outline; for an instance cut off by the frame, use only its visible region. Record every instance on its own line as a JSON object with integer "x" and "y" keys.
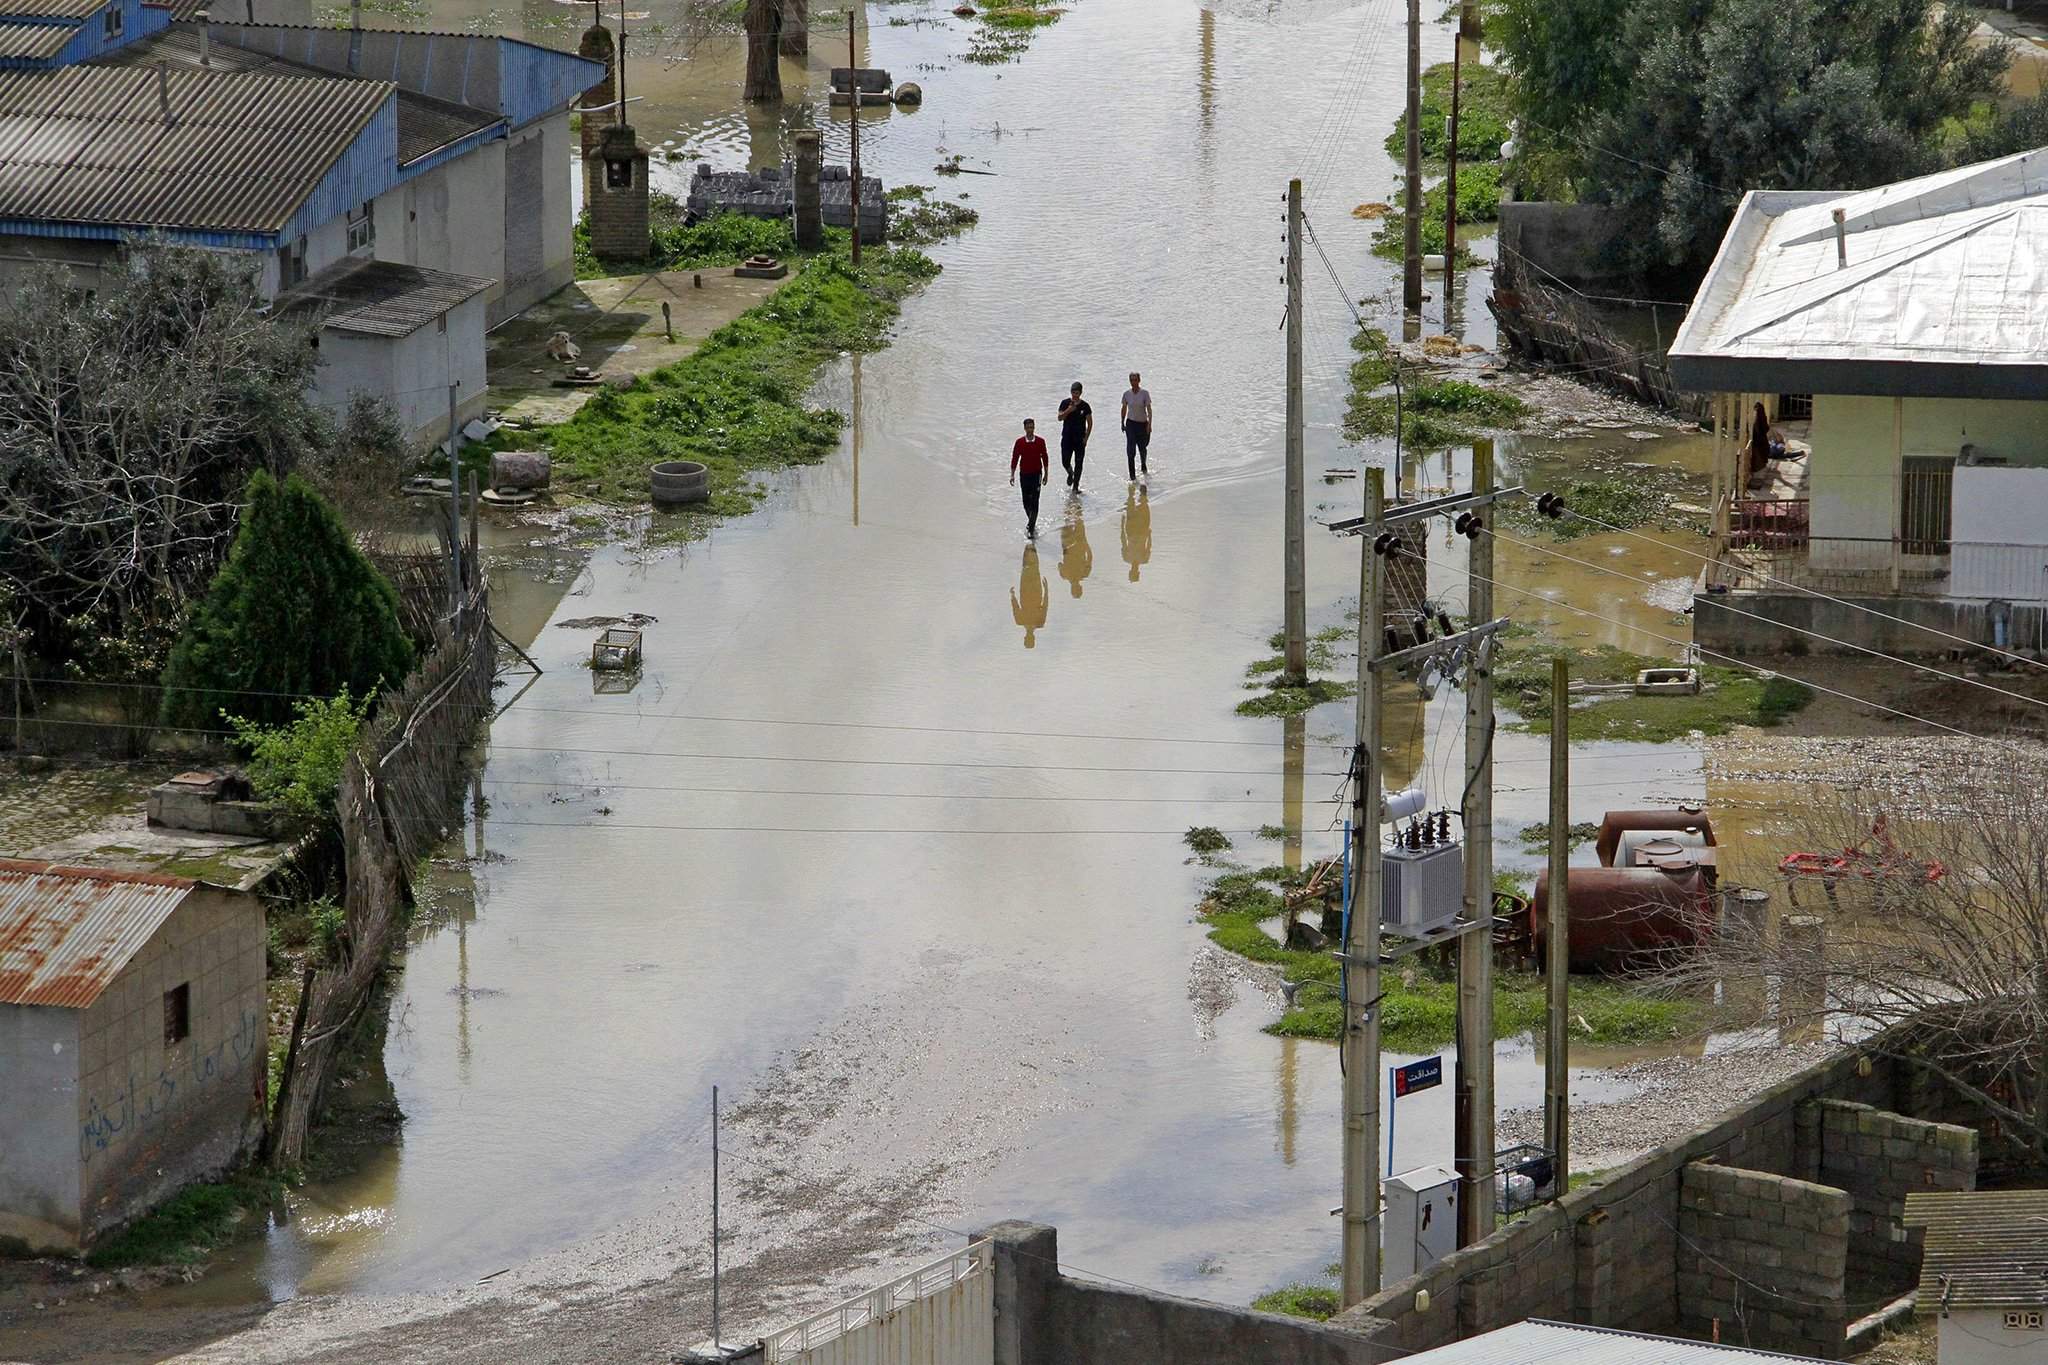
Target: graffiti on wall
{"x": 143, "y": 1103}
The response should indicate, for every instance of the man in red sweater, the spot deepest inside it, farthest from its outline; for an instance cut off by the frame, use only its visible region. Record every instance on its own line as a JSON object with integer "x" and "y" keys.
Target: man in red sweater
{"x": 1028, "y": 457}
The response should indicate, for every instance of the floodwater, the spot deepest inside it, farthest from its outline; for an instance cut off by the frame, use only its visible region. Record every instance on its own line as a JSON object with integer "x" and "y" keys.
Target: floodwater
{"x": 890, "y": 766}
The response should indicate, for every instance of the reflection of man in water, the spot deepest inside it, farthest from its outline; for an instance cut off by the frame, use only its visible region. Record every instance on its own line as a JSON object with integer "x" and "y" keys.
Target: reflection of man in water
{"x": 1076, "y": 559}
{"x": 1137, "y": 529}
{"x": 1027, "y": 599}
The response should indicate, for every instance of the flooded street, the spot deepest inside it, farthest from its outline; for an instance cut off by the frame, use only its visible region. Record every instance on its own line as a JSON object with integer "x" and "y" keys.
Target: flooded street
{"x": 886, "y": 842}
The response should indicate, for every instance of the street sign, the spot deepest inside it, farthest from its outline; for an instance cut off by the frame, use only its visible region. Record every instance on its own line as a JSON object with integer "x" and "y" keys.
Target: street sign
{"x": 1426, "y": 1074}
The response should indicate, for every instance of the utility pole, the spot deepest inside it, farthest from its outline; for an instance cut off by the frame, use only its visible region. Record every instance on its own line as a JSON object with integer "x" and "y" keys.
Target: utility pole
{"x": 1411, "y": 272}
{"x": 454, "y": 509}
{"x": 1557, "y": 1053}
{"x": 853, "y": 64}
{"x": 1361, "y": 1040}
{"x": 1451, "y": 164}
{"x": 1474, "y": 1100}
{"x": 717, "y": 1339}
{"x": 1296, "y": 605}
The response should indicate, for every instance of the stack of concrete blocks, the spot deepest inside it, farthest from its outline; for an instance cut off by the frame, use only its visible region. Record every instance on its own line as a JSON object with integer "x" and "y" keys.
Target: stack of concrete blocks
{"x": 1881, "y": 1157}
{"x": 835, "y": 198}
{"x": 1762, "y": 1260}
{"x": 766, "y": 193}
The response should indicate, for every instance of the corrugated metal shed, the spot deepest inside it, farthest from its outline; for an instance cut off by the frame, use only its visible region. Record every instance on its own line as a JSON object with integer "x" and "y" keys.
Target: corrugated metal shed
{"x": 1984, "y": 1249}
{"x": 236, "y": 151}
{"x": 1939, "y": 294}
{"x": 50, "y": 9}
{"x": 1560, "y": 1343}
{"x": 425, "y": 124}
{"x": 34, "y": 42}
{"x": 382, "y": 298}
{"x": 66, "y": 932}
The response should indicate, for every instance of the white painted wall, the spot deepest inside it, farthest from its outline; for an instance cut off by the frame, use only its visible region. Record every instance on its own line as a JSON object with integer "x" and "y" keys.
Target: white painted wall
{"x": 450, "y": 218}
{"x": 1979, "y": 1336}
{"x": 1996, "y": 514}
{"x": 412, "y": 373}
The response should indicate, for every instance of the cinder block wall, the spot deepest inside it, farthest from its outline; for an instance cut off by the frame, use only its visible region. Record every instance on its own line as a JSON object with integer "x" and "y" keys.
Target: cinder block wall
{"x": 1761, "y": 1260}
{"x": 1879, "y": 1158}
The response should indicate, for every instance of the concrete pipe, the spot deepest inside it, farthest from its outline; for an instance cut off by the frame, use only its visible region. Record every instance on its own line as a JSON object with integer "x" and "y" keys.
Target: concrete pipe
{"x": 517, "y": 471}
{"x": 909, "y": 93}
{"x": 678, "y": 482}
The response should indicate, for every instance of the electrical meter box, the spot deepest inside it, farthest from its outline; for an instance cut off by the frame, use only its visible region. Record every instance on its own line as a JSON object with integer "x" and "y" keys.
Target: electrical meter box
{"x": 1421, "y": 1221}
{"x": 1421, "y": 888}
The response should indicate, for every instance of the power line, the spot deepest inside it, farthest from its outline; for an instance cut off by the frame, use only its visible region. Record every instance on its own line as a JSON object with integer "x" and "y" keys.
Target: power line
{"x": 1798, "y": 630}
{"x": 885, "y": 796}
{"x": 1814, "y": 592}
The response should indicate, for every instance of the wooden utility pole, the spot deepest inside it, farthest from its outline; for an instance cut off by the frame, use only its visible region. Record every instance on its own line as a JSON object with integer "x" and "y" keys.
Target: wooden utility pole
{"x": 1557, "y": 1052}
{"x": 454, "y": 510}
{"x": 1361, "y": 1042}
{"x": 1474, "y": 1100}
{"x": 1411, "y": 272}
{"x": 1451, "y": 167}
{"x": 853, "y": 63}
{"x": 1295, "y": 614}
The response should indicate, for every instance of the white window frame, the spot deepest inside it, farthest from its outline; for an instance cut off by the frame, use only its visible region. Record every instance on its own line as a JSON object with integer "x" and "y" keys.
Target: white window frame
{"x": 362, "y": 228}
{"x": 113, "y": 20}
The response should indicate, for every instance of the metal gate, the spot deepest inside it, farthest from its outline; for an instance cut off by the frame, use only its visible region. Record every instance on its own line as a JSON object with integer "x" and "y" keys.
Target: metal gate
{"x": 939, "y": 1314}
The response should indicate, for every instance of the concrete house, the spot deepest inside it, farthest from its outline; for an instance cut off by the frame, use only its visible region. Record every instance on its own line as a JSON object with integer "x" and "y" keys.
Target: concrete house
{"x": 445, "y": 160}
{"x": 1984, "y": 1274}
{"x": 133, "y": 1044}
{"x": 1900, "y": 335}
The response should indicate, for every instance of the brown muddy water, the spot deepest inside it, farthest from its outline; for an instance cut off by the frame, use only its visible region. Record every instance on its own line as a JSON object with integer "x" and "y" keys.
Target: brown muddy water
{"x": 886, "y": 841}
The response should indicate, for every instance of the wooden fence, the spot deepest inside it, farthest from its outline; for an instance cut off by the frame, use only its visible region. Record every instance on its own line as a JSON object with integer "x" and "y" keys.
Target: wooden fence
{"x": 399, "y": 791}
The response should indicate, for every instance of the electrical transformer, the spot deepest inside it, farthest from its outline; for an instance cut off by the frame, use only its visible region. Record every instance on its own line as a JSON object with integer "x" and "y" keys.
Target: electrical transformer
{"x": 1421, "y": 888}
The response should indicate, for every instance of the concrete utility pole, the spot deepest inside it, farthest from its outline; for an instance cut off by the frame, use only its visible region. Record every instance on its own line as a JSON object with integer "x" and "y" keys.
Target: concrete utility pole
{"x": 1474, "y": 1101}
{"x": 1451, "y": 165}
{"x": 1361, "y": 1040}
{"x": 1557, "y": 1051}
{"x": 1411, "y": 272}
{"x": 1296, "y": 605}
{"x": 853, "y": 63}
{"x": 454, "y": 508}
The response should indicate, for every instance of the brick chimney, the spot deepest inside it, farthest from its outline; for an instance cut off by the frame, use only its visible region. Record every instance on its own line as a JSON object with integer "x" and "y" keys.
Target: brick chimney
{"x": 619, "y": 225}
{"x": 598, "y": 47}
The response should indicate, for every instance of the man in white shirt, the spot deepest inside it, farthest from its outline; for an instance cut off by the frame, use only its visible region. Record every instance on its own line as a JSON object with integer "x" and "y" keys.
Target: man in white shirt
{"x": 1137, "y": 419}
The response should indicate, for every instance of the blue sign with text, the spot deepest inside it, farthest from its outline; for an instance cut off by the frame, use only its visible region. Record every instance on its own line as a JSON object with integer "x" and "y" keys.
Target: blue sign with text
{"x": 1423, "y": 1075}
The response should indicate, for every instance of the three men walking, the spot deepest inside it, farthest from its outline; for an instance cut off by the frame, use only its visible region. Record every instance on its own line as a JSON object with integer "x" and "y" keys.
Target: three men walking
{"x": 1030, "y": 460}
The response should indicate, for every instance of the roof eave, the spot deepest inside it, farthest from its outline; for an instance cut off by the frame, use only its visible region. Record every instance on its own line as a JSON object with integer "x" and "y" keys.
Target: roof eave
{"x": 1711, "y": 373}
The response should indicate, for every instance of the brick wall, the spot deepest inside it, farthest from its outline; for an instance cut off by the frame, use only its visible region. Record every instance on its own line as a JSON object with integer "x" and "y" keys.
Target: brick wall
{"x": 1761, "y": 1260}
{"x": 1879, "y": 1158}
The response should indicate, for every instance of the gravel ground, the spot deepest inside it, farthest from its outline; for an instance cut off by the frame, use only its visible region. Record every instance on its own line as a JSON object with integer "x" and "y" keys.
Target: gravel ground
{"x": 1679, "y": 1094}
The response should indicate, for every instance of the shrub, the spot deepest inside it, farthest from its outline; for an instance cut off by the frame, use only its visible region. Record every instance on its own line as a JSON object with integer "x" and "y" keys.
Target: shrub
{"x": 296, "y": 612}
{"x": 299, "y": 765}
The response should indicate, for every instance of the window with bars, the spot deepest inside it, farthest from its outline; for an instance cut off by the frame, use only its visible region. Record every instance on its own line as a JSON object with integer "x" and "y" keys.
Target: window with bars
{"x": 1926, "y": 504}
{"x": 177, "y": 1014}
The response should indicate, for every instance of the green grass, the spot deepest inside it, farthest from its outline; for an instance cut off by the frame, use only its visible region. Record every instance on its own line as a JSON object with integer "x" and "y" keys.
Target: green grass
{"x": 1003, "y": 31}
{"x": 917, "y": 219}
{"x": 1482, "y": 116}
{"x": 1628, "y": 500}
{"x": 737, "y": 404}
{"x": 726, "y": 239}
{"x": 1728, "y": 697}
{"x": 1433, "y": 412}
{"x": 1317, "y": 1302}
{"x": 1206, "y": 839}
{"x": 191, "y": 1223}
{"x": 1537, "y": 836}
{"x": 1424, "y": 1016}
{"x": 1276, "y": 699}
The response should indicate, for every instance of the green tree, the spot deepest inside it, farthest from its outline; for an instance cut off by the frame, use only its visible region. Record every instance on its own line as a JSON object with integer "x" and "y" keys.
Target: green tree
{"x": 296, "y": 612}
{"x": 1569, "y": 66}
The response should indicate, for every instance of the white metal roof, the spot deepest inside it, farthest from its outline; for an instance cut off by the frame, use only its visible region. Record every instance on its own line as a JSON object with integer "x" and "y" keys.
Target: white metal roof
{"x": 1945, "y": 290}
{"x": 1540, "y": 1343}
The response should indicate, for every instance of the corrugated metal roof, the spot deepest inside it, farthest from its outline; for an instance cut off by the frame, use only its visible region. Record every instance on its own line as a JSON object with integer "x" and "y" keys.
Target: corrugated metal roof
{"x": 425, "y": 124}
{"x": 35, "y": 42}
{"x": 50, "y": 9}
{"x": 238, "y": 152}
{"x": 1541, "y": 1343}
{"x": 1984, "y": 1249}
{"x": 1945, "y": 269}
{"x": 381, "y": 298}
{"x": 66, "y": 932}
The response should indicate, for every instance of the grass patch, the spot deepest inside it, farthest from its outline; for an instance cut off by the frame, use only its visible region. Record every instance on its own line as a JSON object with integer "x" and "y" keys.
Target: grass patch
{"x": 1537, "y": 836}
{"x": 1478, "y": 202}
{"x": 916, "y": 219}
{"x": 1206, "y": 839}
{"x": 1003, "y": 31}
{"x": 1433, "y": 412}
{"x": 1274, "y": 831}
{"x": 1728, "y": 697}
{"x": 726, "y": 239}
{"x": 1629, "y": 500}
{"x": 1278, "y": 699}
{"x": 1423, "y": 1016}
{"x": 1317, "y": 1302}
{"x": 1482, "y": 116}
{"x": 191, "y": 1223}
{"x": 736, "y": 404}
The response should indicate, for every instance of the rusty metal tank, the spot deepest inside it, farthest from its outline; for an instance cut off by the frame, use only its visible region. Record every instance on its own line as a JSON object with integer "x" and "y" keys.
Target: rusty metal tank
{"x": 1626, "y": 919}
